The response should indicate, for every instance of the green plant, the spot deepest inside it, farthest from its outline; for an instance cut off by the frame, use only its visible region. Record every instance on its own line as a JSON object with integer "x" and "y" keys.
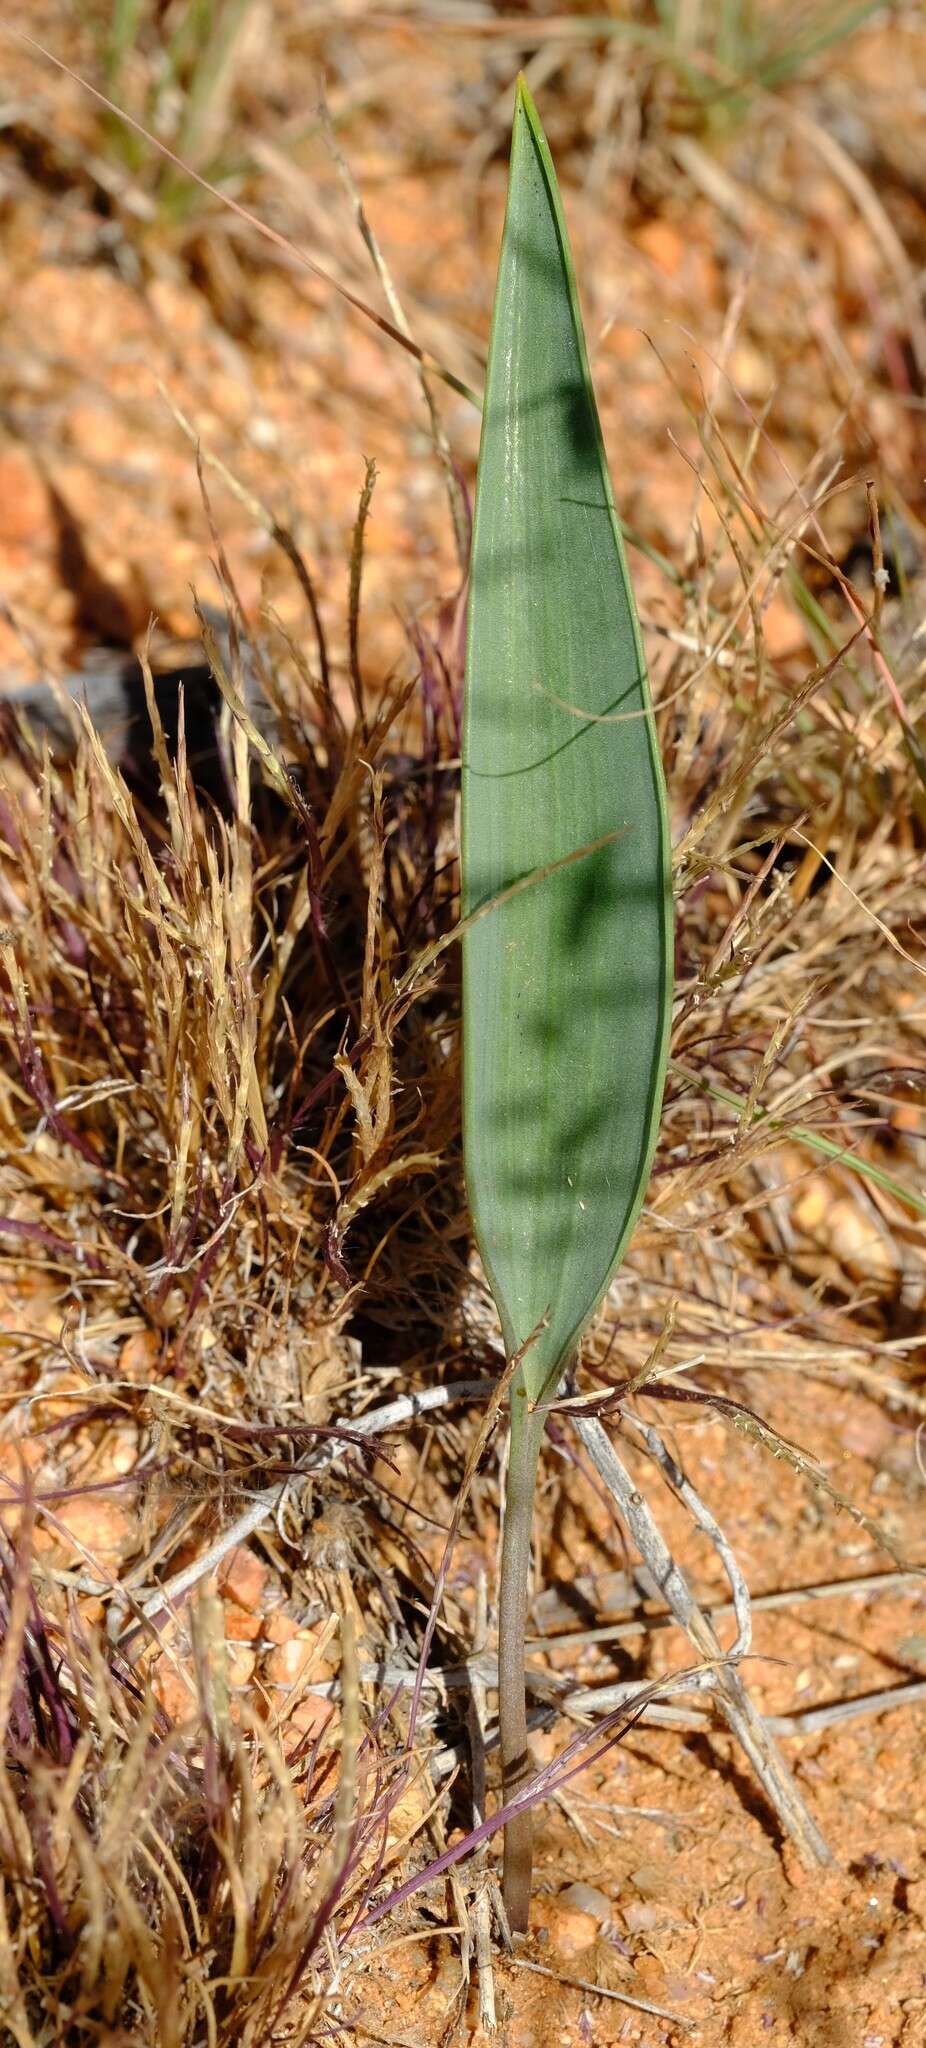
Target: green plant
{"x": 567, "y": 982}
{"x": 725, "y": 51}
{"x": 175, "y": 71}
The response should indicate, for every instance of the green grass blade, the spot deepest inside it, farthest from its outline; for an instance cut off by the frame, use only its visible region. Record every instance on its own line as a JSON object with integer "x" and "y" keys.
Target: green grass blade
{"x": 121, "y": 36}
{"x": 567, "y": 984}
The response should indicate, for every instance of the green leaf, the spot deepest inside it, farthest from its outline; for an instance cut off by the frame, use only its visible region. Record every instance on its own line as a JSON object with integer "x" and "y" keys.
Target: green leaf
{"x": 567, "y": 983}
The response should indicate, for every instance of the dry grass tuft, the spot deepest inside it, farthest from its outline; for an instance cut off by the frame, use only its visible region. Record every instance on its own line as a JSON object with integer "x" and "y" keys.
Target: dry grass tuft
{"x": 219, "y": 1117}
{"x": 163, "y": 1881}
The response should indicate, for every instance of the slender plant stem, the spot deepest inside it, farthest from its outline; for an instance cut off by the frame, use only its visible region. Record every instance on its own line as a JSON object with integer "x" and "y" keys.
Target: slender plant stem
{"x": 781, "y": 1791}
{"x": 523, "y": 1453}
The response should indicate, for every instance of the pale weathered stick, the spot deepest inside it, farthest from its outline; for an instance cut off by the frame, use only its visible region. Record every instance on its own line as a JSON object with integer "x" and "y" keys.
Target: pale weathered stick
{"x": 812, "y": 1720}
{"x": 786, "y": 1596}
{"x": 582, "y": 1702}
{"x": 263, "y": 1505}
{"x": 602, "y": 1699}
{"x": 746, "y": 1724}
{"x": 709, "y": 1526}
{"x": 660, "y": 2012}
